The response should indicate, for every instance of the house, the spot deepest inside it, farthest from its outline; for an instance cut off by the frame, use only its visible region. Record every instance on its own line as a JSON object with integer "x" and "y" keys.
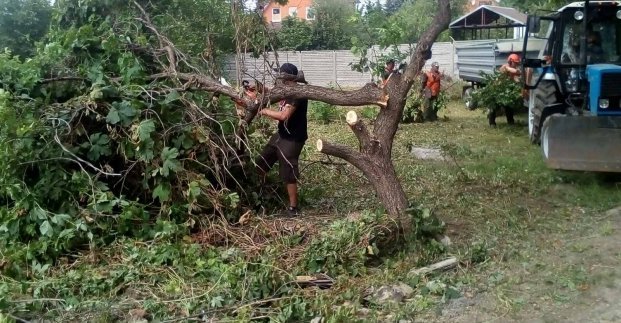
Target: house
{"x": 275, "y": 13}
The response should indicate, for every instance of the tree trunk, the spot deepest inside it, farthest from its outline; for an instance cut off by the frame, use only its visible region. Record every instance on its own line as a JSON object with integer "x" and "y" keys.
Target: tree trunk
{"x": 388, "y": 188}
{"x": 375, "y": 149}
{"x": 374, "y": 160}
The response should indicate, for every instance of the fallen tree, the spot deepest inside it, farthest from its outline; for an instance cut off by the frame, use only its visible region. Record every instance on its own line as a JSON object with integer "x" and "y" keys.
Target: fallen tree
{"x": 374, "y": 157}
{"x": 112, "y": 128}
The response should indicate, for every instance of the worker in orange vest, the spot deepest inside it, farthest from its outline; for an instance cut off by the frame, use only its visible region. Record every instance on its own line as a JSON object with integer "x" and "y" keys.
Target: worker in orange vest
{"x": 430, "y": 90}
{"x": 511, "y": 68}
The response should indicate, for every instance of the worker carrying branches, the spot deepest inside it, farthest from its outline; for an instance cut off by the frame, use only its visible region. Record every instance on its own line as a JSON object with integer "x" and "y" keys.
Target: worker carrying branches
{"x": 512, "y": 70}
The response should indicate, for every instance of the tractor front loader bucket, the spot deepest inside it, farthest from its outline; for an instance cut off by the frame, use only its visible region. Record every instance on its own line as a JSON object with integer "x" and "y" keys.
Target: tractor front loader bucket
{"x": 585, "y": 143}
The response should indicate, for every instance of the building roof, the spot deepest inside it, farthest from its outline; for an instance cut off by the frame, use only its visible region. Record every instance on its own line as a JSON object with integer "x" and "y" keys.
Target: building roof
{"x": 488, "y": 16}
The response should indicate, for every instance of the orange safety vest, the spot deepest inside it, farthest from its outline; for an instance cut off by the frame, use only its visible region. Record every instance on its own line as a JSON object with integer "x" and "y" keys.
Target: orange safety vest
{"x": 433, "y": 83}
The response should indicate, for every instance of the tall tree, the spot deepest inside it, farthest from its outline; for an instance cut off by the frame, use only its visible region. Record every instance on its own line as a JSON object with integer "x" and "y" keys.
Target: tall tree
{"x": 375, "y": 146}
{"x": 295, "y": 34}
{"x": 332, "y": 28}
{"x": 22, "y": 23}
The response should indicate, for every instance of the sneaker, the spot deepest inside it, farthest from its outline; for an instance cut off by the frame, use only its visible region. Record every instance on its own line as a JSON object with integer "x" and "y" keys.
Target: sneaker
{"x": 293, "y": 211}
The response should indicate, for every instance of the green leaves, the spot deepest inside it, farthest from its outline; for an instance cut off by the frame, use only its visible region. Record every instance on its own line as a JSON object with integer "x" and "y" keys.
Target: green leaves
{"x": 170, "y": 163}
{"x": 142, "y": 134}
{"x": 46, "y": 228}
{"x": 22, "y": 23}
{"x": 172, "y": 96}
{"x": 122, "y": 112}
{"x": 162, "y": 192}
{"x": 145, "y": 129}
{"x": 501, "y": 91}
{"x": 99, "y": 146}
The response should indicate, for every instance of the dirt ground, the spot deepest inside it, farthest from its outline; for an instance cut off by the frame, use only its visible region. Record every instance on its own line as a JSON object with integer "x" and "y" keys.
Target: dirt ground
{"x": 594, "y": 250}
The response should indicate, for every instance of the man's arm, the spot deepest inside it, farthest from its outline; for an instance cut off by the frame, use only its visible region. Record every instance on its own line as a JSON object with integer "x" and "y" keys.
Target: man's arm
{"x": 282, "y": 115}
{"x": 506, "y": 68}
{"x": 423, "y": 79}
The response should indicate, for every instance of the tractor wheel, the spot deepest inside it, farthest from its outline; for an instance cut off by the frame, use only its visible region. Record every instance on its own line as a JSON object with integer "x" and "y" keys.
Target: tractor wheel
{"x": 469, "y": 101}
{"x": 544, "y": 95}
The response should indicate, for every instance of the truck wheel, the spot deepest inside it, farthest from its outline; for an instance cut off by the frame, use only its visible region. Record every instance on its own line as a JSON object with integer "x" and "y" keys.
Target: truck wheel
{"x": 544, "y": 95}
{"x": 468, "y": 99}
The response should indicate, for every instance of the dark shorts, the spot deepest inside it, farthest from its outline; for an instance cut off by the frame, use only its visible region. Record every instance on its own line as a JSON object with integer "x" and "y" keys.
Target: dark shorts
{"x": 286, "y": 153}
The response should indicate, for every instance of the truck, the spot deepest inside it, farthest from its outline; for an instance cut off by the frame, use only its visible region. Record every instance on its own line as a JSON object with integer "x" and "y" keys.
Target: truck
{"x": 574, "y": 84}
{"x": 483, "y": 39}
{"x": 477, "y": 57}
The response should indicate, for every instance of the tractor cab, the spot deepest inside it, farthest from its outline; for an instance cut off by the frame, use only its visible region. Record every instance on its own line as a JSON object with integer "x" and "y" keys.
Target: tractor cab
{"x": 575, "y": 86}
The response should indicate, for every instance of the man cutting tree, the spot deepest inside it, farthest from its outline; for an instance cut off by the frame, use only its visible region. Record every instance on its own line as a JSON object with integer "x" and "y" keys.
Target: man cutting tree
{"x": 286, "y": 144}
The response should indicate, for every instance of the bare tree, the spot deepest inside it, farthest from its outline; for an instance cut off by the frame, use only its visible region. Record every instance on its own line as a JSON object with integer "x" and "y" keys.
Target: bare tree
{"x": 373, "y": 157}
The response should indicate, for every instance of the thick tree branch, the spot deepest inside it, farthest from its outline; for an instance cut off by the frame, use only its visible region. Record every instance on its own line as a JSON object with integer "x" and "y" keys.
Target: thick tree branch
{"x": 203, "y": 82}
{"x": 355, "y": 158}
{"x": 387, "y": 121}
{"x": 370, "y": 94}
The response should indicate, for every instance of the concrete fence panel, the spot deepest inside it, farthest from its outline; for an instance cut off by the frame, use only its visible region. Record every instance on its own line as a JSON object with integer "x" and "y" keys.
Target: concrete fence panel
{"x": 327, "y": 67}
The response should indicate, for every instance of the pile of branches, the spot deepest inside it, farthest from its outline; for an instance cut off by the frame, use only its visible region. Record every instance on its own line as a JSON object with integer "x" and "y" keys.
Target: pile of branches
{"x": 111, "y": 131}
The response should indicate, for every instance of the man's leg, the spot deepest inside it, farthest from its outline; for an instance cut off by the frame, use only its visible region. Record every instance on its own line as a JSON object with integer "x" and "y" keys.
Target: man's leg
{"x": 288, "y": 155}
{"x": 267, "y": 158}
{"x": 491, "y": 117}
{"x": 509, "y": 113}
{"x": 433, "y": 108}
{"x": 292, "y": 191}
{"x": 427, "y": 107}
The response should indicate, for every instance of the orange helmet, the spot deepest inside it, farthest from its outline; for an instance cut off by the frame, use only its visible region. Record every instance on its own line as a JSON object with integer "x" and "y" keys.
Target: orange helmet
{"x": 515, "y": 58}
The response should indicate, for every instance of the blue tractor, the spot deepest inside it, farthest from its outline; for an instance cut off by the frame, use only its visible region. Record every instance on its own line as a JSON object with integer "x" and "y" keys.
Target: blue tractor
{"x": 574, "y": 86}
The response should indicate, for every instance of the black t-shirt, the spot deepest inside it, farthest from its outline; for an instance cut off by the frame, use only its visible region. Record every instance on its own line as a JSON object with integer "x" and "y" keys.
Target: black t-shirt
{"x": 295, "y": 127}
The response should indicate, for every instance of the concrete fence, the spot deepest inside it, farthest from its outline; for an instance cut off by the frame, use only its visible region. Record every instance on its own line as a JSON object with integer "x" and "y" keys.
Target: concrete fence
{"x": 327, "y": 67}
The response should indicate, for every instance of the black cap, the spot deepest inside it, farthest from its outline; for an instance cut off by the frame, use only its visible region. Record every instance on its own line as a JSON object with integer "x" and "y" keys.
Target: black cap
{"x": 390, "y": 61}
{"x": 288, "y": 68}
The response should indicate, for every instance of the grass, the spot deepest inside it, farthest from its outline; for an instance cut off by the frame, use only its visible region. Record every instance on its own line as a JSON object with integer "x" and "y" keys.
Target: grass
{"x": 517, "y": 227}
{"x": 501, "y": 203}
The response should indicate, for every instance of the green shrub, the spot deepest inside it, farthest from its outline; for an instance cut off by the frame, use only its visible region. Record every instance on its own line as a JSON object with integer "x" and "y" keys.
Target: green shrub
{"x": 323, "y": 112}
{"x": 349, "y": 243}
{"x": 412, "y": 111}
{"x": 369, "y": 112}
{"x": 109, "y": 152}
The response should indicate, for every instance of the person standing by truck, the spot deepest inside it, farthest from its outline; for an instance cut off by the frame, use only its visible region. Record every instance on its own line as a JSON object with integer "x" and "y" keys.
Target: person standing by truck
{"x": 512, "y": 70}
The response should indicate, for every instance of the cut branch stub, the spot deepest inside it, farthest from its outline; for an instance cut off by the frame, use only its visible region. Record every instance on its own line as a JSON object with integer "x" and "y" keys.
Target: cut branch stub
{"x": 360, "y": 130}
{"x": 319, "y": 145}
{"x": 351, "y": 117}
